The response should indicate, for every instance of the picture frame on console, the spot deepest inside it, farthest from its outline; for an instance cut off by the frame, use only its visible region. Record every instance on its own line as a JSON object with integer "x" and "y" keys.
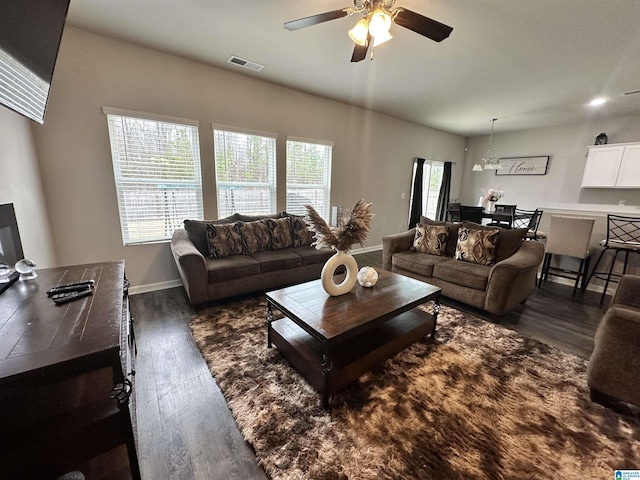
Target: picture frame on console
{"x": 10, "y": 246}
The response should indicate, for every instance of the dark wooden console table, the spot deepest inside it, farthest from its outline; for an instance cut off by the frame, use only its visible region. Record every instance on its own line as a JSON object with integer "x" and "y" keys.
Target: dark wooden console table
{"x": 58, "y": 366}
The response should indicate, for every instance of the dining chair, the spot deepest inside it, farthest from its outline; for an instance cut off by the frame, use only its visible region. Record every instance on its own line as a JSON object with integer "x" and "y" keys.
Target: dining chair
{"x": 568, "y": 236}
{"x": 453, "y": 211}
{"x": 471, "y": 214}
{"x": 529, "y": 219}
{"x": 503, "y": 216}
{"x": 623, "y": 235}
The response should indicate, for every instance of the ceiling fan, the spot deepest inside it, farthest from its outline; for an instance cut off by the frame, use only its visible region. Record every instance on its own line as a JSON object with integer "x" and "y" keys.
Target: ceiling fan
{"x": 373, "y": 28}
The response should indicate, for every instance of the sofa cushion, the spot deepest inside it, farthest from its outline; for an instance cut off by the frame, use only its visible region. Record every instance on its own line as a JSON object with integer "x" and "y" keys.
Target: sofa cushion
{"x": 477, "y": 245}
{"x": 277, "y": 260}
{"x": 255, "y": 237}
{"x": 231, "y": 268}
{"x": 509, "y": 239}
{"x": 431, "y": 239}
{"x": 280, "y": 232}
{"x": 224, "y": 239}
{"x": 465, "y": 274}
{"x": 253, "y": 218}
{"x": 414, "y": 262}
{"x": 452, "y": 239}
{"x": 311, "y": 255}
{"x": 197, "y": 231}
{"x": 302, "y": 236}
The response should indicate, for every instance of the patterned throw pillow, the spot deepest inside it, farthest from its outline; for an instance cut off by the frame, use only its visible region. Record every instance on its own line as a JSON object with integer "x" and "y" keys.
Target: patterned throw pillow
{"x": 255, "y": 237}
{"x": 279, "y": 232}
{"x": 224, "y": 239}
{"x": 302, "y": 236}
{"x": 431, "y": 239}
{"x": 477, "y": 245}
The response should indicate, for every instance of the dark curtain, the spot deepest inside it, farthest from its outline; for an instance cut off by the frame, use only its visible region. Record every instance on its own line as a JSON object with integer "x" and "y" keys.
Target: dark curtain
{"x": 445, "y": 190}
{"x": 415, "y": 207}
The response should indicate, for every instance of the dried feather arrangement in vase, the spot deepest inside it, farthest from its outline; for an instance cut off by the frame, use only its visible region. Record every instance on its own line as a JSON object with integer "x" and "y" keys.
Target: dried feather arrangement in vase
{"x": 354, "y": 230}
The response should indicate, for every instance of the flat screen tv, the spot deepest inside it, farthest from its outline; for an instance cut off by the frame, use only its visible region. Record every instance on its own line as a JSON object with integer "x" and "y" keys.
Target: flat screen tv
{"x": 30, "y": 34}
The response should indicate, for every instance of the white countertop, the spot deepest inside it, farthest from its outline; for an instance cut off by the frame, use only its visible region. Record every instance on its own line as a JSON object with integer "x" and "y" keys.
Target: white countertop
{"x": 591, "y": 208}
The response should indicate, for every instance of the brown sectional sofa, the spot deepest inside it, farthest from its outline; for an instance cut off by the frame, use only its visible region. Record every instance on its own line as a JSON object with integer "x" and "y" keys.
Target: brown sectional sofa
{"x": 258, "y": 264}
{"x": 495, "y": 288}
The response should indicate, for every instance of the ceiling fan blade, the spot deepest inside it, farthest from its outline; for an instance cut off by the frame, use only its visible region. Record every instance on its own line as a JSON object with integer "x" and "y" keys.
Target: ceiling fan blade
{"x": 425, "y": 26}
{"x": 315, "y": 19}
{"x": 360, "y": 51}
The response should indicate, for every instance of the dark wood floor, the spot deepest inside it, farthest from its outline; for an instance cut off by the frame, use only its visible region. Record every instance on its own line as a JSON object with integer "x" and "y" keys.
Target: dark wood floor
{"x": 185, "y": 430}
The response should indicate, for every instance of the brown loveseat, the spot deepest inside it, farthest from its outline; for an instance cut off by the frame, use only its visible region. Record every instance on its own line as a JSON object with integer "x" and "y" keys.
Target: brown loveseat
{"x": 497, "y": 287}
{"x": 242, "y": 254}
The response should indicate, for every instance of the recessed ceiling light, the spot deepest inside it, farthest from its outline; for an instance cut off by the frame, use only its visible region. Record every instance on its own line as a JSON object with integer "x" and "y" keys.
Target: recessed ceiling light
{"x": 596, "y": 102}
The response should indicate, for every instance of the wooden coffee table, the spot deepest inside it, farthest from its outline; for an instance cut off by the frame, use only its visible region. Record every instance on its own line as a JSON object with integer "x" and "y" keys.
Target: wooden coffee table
{"x": 332, "y": 341}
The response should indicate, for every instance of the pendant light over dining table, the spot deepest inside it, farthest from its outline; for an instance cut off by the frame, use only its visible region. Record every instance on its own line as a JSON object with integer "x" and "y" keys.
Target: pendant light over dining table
{"x": 487, "y": 162}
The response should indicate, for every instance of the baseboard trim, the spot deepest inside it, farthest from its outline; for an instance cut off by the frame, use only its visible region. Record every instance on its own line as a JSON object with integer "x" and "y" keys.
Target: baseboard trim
{"x": 375, "y": 248}
{"x": 153, "y": 287}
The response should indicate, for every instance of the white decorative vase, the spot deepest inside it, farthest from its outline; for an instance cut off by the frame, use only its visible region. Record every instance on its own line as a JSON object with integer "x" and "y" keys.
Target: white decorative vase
{"x": 340, "y": 258}
{"x": 491, "y": 206}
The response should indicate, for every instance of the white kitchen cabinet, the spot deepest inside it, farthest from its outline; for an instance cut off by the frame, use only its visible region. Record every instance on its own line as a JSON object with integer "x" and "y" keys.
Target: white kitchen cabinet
{"x": 613, "y": 166}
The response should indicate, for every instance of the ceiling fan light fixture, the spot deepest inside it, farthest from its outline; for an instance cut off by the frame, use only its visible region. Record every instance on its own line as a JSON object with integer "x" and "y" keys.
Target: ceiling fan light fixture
{"x": 477, "y": 167}
{"x": 380, "y": 23}
{"x": 381, "y": 38}
{"x": 359, "y": 32}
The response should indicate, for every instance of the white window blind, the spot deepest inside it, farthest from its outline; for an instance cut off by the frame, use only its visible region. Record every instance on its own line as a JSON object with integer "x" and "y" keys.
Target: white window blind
{"x": 21, "y": 89}
{"x": 432, "y": 180}
{"x": 308, "y": 176}
{"x": 156, "y": 165}
{"x": 245, "y": 172}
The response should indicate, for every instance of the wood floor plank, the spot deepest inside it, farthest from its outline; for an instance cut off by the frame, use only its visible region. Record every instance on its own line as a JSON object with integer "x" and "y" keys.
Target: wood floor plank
{"x": 185, "y": 429}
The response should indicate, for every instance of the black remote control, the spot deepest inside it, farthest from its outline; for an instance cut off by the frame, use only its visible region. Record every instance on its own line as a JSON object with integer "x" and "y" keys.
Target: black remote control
{"x": 69, "y": 297}
{"x": 71, "y": 287}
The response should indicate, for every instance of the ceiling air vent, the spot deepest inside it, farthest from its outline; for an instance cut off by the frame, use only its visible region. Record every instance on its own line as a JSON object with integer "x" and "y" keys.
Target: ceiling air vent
{"x": 631, "y": 92}
{"x": 241, "y": 62}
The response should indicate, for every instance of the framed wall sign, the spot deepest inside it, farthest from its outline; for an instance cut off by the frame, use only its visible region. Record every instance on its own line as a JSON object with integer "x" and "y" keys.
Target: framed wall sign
{"x": 523, "y": 166}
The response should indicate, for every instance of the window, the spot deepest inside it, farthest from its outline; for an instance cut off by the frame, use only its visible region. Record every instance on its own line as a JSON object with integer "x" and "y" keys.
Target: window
{"x": 432, "y": 180}
{"x": 245, "y": 172}
{"x": 308, "y": 176}
{"x": 156, "y": 164}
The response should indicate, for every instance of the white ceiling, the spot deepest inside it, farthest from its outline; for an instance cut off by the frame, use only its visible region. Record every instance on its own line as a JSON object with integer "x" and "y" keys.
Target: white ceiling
{"x": 529, "y": 63}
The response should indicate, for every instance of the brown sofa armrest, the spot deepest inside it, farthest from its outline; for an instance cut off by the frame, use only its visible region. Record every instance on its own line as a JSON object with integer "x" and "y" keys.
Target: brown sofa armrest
{"x": 628, "y": 292}
{"x": 192, "y": 266}
{"x": 398, "y": 242}
{"x": 513, "y": 279}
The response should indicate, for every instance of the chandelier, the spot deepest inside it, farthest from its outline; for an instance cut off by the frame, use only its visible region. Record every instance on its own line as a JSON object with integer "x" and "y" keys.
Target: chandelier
{"x": 487, "y": 162}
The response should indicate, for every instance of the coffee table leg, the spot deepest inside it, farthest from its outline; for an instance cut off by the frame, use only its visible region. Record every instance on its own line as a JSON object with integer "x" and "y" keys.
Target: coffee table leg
{"x": 327, "y": 366}
{"x": 436, "y": 311}
{"x": 269, "y": 320}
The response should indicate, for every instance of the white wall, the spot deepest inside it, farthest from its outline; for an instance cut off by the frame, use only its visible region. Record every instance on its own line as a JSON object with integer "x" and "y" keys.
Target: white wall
{"x": 373, "y": 154}
{"x": 20, "y": 185}
{"x": 567, "y": 148}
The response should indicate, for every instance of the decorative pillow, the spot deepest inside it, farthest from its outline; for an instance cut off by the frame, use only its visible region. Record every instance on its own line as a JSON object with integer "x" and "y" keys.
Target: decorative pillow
{"x": 302, "y": 236}
{"x": 452, "y": 239}
{"x": 197, "y": 231}
{"x": 224, "y": 239}
{"x": 255, "y": 237}
{"x": 477, "y": 245}
{"x": 279, "y": 232}
{"x": 431, "y": 239}
{"x": 509, "y": 239}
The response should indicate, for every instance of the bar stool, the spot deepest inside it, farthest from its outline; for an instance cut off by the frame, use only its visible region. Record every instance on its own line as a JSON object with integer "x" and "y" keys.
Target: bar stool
{"x": 623, "y": 235}
{"x": 569, "y": 236}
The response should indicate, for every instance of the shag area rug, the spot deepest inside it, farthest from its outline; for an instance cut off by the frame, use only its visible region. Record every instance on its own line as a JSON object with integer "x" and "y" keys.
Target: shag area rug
{"x": 481, "y": 402}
